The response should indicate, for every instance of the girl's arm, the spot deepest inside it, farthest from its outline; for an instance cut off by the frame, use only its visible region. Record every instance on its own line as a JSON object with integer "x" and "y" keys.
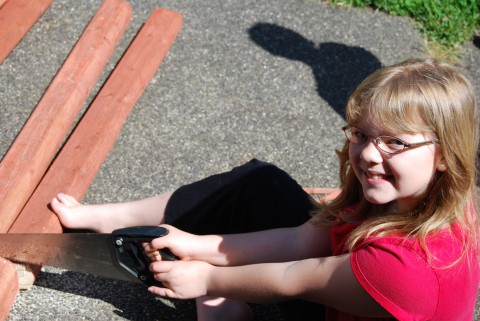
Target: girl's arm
{"x": 277, "y": 245}
{"x": 327, "y": 280}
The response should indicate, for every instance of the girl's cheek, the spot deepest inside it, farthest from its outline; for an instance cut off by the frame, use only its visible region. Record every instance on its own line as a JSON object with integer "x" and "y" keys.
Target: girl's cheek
{"x": 351, "y": 153}
{"x": 354, "y": 155}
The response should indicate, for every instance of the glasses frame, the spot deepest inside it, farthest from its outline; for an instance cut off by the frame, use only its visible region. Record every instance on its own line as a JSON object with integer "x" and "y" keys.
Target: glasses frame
{"x": 378, "y": 141}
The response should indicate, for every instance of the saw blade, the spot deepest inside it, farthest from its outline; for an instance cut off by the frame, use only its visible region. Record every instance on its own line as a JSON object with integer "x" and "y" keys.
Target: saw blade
{"x": 89, "y": 253}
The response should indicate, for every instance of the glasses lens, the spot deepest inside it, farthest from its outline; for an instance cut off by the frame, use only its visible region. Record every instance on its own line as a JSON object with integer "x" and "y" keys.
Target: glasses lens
{"x": 356, "y": 136}
{"x": 390, "y": 144}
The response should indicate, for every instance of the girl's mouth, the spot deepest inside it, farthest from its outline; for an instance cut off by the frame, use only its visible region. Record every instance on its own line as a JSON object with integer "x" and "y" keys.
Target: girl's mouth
{"x": 376, "y": 178}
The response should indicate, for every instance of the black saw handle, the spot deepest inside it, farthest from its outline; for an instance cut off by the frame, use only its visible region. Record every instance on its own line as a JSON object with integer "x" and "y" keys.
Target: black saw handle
{"x": 129, "y": 255}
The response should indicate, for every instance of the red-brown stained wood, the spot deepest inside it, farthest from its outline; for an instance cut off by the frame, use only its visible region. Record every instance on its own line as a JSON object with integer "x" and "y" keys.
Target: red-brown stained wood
{"x": 2, "y": 2}
{"x": 16, "y": 19}
{"x": 322, "y": 194}
{"x": 82, "y": 155}
{"x": 33, "y": 150}
{"x": 8, "y": 287}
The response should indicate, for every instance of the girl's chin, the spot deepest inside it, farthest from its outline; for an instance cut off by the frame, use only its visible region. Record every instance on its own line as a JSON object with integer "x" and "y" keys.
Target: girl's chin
{"x": 376, "y": 202}
{"x": 376, "y": 199}
{"x": 397, "y": 205}
{"x": 388, "y": 205}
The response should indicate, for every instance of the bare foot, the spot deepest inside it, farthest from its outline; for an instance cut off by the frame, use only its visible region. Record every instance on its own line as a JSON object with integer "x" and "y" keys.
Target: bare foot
{"x": 100, "y": 218}
{"x": 105, "y": 218}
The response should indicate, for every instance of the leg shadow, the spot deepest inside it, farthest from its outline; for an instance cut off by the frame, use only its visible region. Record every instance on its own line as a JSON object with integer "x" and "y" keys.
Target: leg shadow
{"x": 129, "y": 300}
{"x": 337, "y": 68}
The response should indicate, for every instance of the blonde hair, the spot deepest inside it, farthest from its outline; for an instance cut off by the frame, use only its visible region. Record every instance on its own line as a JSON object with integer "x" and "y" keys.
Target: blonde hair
{"x": 416, "y": 96}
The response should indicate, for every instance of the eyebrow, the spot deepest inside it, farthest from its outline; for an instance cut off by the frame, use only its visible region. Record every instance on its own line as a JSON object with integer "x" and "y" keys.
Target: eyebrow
{"x": 404, "y": 140}
{"x": 382, "y": 133}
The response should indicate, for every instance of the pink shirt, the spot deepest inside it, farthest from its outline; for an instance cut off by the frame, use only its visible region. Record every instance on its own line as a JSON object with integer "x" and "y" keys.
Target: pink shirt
{"x": 398, "y": 275}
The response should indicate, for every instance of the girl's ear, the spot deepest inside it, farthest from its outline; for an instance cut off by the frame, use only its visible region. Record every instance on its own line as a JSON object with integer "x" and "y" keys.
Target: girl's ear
{"x": 442, "y": 164}
{"x": 441, "y": 167}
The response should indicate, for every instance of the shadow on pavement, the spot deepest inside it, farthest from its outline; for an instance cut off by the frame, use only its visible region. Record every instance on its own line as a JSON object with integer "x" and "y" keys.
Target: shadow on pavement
{"x": 476, "y": 41}
{"x": 337, "y": 68}
{"x": 129, "y": 300}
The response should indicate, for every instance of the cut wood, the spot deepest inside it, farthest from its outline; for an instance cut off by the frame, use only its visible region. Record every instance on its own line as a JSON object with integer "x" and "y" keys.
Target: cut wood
{"x": 8, "y": 287}
{"x": 322, "y": 194}
{"x": 16, "y": 18}
{"x": 84, "y": 152}
{"x": 34, "y": 148}
{"x": 2, "y": 2}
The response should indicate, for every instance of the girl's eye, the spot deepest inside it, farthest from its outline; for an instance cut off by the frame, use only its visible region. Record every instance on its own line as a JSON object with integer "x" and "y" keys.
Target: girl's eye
{"x": 359, "y": 135}
{"x": 393, "y": 141}
{"x": 394, "y": 144}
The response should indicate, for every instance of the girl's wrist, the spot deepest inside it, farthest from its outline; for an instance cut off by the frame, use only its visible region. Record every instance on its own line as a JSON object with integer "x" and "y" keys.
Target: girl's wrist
{"x": 209, "y": 250}
{"x": 209, "y": 276}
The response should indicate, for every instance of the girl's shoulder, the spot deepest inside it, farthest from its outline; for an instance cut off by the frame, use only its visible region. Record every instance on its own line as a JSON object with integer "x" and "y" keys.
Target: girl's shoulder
{"x": 440, "y": 248}
{"x": 399, "y": 273}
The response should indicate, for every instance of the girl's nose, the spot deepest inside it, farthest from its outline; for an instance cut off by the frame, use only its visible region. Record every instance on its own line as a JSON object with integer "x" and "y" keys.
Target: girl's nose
{"x": 371, "y": 153}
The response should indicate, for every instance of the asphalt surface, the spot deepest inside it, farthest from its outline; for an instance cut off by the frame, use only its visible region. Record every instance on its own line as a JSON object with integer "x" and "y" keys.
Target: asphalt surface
{"x": 244, "y": 79}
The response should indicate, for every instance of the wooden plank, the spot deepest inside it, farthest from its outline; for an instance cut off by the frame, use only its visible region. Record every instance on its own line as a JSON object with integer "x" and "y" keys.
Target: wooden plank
{"x": 16, "y": 18}
{"x": 8, "y": 287}
{"x": 2, "y": 2}
{"x": 34, "y": 148}
{"x": 322, "y": 193}
{"x": 82, "y": 155}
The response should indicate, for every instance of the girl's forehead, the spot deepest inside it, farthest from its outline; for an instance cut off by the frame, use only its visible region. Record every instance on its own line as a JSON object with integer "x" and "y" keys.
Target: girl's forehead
{"x": 388, "y": 126}
{"x": 373, "y": 127}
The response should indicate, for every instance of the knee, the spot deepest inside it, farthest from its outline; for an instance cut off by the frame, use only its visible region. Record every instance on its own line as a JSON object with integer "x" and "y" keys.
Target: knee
{"x": 213, "y": 309}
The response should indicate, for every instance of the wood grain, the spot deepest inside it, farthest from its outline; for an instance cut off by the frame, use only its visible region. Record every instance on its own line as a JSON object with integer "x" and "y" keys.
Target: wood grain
{"x": 8, "y": 287}
{"x": 16, "y": 18}
{"x": 34, "y": 148}
{"x": 84, "y": 152}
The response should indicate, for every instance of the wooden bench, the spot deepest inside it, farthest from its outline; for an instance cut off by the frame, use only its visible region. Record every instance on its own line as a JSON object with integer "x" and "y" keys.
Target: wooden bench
{"x": 31, "y": 172}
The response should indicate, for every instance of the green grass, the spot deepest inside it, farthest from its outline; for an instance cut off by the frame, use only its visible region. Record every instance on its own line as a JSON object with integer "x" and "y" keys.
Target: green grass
{"x": 446, "y": 24}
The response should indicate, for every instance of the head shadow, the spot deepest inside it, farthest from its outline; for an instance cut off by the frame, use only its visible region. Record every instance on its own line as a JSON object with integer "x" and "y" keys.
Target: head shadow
{"x": 476, "y": 41}
{"x": 338, "y": 69}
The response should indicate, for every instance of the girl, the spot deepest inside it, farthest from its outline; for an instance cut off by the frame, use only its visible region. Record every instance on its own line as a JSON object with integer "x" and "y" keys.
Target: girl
{"x": 400, "y": 241}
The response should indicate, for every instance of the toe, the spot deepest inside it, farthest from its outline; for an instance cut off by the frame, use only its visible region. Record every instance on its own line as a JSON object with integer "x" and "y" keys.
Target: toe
{"x": 67, "y": 200}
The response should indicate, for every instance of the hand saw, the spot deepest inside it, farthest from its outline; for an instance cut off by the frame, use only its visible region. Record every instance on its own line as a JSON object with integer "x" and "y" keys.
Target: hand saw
{"x": 118, "y": 255}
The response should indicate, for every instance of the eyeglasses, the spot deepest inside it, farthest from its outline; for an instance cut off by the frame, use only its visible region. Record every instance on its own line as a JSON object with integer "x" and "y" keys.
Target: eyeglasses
{"x": 388, "y": 144}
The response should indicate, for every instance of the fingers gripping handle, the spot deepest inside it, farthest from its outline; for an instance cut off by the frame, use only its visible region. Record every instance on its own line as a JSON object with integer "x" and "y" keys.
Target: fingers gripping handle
{"x": 129, "y": 255}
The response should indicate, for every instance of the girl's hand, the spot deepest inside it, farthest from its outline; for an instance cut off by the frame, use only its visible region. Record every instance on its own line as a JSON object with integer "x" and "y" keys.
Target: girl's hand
{"x": 184, "y": 245}
{"x": 181, "y": 279}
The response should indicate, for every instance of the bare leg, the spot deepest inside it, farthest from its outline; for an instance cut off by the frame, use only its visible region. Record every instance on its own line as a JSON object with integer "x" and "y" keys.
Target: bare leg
{"x": 105, "y": 218}
{"x": 212, "y": 309}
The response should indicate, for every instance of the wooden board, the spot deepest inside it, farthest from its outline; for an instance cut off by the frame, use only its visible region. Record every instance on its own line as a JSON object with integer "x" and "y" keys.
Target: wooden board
{"x": 8, "y": 287}
{"x": 34, "y": 148}
{"x": 16, "y": 19}
{"x": 322, "y": 193}
{"x": 80, "y": 159}
{"x": 84, "y": 152}
{"x": 2, "y": 2}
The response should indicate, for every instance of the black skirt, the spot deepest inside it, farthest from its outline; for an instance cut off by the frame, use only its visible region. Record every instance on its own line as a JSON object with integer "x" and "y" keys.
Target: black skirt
{"x": 252, "y": 197}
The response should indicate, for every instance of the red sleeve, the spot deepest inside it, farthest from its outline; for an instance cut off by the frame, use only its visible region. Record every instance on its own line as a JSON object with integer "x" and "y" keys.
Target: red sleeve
{"x": 398, "y": 278}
